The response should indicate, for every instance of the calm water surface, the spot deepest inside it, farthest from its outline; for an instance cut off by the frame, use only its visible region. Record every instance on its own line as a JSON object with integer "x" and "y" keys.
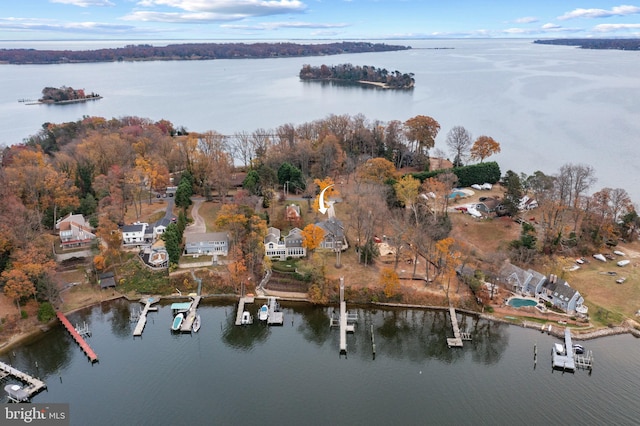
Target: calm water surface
{"x": 293, "y": 374}
{"x": 546, "y": 105}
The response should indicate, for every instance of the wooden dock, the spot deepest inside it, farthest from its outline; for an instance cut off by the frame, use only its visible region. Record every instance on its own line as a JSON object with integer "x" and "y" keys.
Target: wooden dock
{"x": 77, "y": 337}
{"x": 246, "y": 300}
{"x": 33, "y": 385}
{"x": 458, "y": 337}
{"x": 190, "y": 317}
{"x": 142, "y": 319}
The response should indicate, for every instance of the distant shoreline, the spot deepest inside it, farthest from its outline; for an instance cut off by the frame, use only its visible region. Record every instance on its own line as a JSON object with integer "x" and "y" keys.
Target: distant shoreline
{"x": 69, "y": 101}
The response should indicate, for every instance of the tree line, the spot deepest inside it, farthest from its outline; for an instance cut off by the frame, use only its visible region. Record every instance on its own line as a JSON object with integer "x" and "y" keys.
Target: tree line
{"x": 191, "y": 51}
{"x": 596, "y": 43}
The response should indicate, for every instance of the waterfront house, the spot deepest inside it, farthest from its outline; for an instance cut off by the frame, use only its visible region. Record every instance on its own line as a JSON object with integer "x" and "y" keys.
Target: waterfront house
{"x": 74, "y": 231}
{"x": 106, "y": 280}
{"x": 290, "y": 246}
{"x": 558, "y": 292}
{"x": 134, "y": 234}
{"x": 334, "y": 237}
{"x": 527, "y": 283}
{"x": 207, "y": 243}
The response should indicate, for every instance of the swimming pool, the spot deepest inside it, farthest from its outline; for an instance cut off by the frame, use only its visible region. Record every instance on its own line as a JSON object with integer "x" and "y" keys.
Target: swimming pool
{"x": 516, "y": 302}
{"x": 459, "y": 194}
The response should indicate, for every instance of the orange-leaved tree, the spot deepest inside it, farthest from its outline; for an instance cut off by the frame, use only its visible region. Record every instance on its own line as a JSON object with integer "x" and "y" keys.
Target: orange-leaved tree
{"x": 331, "y": 191}
{"x": 483, "y": 147}
{"x": 17, "y": 285}
{"x": 312, "y": 237}
{"x": 390, "y": 282}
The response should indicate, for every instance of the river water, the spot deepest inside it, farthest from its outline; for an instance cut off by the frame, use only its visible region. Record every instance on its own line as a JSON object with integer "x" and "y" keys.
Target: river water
{"x": 546, "y": 105}
{"x": 293, "y": 374}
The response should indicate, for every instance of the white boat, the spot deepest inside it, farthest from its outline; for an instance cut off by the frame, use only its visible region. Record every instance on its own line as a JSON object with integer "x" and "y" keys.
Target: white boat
{"x": 579, "y": 349}
{"x": 600, "y": 257}
{"x": 624, "y": 262}
{"x": 177, "y": 322}
{"x": 559, "y": 348}
{"x": 618, "y": 253}
{"x": 196, "y": 324}
{"x": 247, "y": 319}
{"x": 263, "y": 313}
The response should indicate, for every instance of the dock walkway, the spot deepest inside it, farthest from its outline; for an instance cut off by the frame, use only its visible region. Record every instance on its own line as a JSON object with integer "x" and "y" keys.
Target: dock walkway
{"x": 77, "y": 337}
{"x": 246, "y": 300}
{"x": 345, "y": 321}
{"x": 142, "y": 319}
{"x": 33, "y": 385}
{"x": 187, "y": 324}
{"x": 458, "y": 336}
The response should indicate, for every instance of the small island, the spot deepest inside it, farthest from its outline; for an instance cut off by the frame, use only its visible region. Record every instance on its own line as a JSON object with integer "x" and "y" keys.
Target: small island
{"x": 359, "y": 75}
{"x": 66, "y": 95}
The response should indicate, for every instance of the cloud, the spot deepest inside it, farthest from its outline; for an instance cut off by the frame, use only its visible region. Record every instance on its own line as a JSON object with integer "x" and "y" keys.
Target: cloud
{"x": 601, "y": 13}
{"x": 232, "y": 7}
{"x": 176, "y": 17}
{"x": 84, "y": 3}
{"x": 551, "y": 26}
{"x": 278, "y": 25}
{"x": 526, "y": 20}
{"x": 17, "y": 24}
{"x": 606, "y": 28}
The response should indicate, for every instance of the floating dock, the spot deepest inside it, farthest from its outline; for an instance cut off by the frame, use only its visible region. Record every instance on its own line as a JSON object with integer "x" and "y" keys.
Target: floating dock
{"x": 190, "y": 317}
{"x": 142, "y": 319}
{"x": 246, "y": 300}
{"x": 77, "y": 337}
{"x": 276, "y": 317}
{"x": 458, "y": 337}
{"x": 25, "y": 393}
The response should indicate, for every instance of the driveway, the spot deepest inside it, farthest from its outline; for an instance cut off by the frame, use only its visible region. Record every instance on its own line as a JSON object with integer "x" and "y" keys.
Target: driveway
{"x": 198, "y": 226}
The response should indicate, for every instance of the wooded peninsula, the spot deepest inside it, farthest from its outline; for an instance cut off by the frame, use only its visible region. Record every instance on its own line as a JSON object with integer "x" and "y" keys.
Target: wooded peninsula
{"x": 359, "y": 74}
{"x": 588, "y": 43}
{"x": 190, "y": 51}
{"x": 64, "y": 94}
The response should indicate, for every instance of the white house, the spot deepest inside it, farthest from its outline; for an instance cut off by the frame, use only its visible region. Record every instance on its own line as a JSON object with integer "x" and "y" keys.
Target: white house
{"x": 290, "y": 246}
{"x": 207, "y": 243}
{"x": 134, "y": 234}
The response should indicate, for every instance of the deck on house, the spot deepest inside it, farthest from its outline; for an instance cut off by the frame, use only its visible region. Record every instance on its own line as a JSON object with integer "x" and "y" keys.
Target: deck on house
{"x": 77, "y": 337}
{"x": 142, "y": 319}
{"x": 33, "y": 385}
{"x": 246, "y": 300}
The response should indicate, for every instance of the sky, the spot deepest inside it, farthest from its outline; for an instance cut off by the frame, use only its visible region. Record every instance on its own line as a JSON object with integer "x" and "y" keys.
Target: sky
{"x": 314, "y": 19}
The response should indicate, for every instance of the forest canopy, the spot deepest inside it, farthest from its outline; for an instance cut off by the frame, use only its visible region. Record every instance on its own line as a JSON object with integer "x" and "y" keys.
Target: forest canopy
{"x": 596, "y": 43}
{"x": 190, "y": 51}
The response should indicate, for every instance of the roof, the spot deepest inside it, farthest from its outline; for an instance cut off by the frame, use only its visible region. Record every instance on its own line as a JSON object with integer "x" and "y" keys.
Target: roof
{"x": 180, "y": 306}
{"x": 133, "y": 228}
{"x": 333, "y": 227}
{"x": 559, "y": 288}
{"x": 107, "y": 280}
{"x": 206, "y": 236}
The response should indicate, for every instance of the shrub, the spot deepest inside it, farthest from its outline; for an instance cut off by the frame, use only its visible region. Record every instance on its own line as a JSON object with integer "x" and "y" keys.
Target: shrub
{"x": 24, "y": 314}
{"x": 46, "y": 312}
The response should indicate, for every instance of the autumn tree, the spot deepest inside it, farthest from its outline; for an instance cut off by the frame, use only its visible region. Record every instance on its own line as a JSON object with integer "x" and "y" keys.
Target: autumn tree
{"x": 312, "y": 237}
{"x": 422, "y": 130}
{"x": 448, "y": 259}
{"x": 407, "y": 189}
{"x": 390, "y": 282}
{"x": 331, "y": 191}
{"x": 483, "y": 147}
{"x": 376, "y": 170}
{"x": 17, "y": 285}
{"x": 459, "y": 141}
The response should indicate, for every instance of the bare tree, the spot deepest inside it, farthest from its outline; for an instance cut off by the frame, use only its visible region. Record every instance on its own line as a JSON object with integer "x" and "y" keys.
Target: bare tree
{"x": 459, "y": 142}
{"x": 242, "y": 148}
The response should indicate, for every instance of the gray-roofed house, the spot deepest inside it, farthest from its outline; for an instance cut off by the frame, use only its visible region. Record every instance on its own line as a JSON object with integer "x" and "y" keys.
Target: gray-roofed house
{"x": 207, "y": 243}
{"x": 527, "y": 282}
{"x": 558, "y": 292}
{"x": 107, "y": 280}
{"x": 334, "y": 237}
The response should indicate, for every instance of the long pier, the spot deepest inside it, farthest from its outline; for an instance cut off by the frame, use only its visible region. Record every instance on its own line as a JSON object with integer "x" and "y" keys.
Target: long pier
{"x": 142, "y": 319}
{"x": 275, "y": 317}
{"x": 187, "y": 324}
{"x": 246, "y": 300}
{"x": 33, "y": 385}
{"x": 77, "y": 337}
{"x": 345, "y": 321}
{"x": 458, "y": 337}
